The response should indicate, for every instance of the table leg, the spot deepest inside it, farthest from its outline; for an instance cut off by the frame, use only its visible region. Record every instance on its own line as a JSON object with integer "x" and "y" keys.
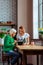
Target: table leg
{"x": 37, "y": 59}
{"x": 24, "y": 59}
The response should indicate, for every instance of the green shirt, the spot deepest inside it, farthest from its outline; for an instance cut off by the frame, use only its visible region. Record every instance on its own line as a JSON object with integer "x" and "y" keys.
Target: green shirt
{"x": 8, "y": 43}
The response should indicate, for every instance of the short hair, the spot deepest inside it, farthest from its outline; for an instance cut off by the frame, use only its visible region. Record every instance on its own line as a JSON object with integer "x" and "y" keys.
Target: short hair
{"x": 12, "y": 31}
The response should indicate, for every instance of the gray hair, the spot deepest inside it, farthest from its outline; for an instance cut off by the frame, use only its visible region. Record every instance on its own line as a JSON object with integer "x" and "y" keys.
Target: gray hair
{"x": 12, "y": 31}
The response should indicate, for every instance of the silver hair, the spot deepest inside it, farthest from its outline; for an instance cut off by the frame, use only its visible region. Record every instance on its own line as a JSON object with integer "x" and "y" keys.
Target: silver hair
{"x": 12, "y": 31}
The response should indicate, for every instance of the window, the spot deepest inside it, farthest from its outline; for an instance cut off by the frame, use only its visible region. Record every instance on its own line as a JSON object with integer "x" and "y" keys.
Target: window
{"x": 40, "y": 13}
{"x": 35, "y": 19}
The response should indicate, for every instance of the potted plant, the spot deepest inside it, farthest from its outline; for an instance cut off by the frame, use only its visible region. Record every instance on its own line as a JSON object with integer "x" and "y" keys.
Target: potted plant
{"x": 2, "y": 38}
{"x": 41, "y": 33}
{"x": 2, "y": 35}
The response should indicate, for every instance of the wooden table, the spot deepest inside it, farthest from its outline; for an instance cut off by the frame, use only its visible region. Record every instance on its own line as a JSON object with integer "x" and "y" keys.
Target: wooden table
{"x": 30, "y": 50}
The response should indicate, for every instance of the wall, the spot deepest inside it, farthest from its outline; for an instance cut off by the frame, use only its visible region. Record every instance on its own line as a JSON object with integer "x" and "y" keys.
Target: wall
{"x": 30, "y": 17}
{"x": 7, "y": 10}
{"x": 25, "y": 15}
{"x": 22, "y": 13}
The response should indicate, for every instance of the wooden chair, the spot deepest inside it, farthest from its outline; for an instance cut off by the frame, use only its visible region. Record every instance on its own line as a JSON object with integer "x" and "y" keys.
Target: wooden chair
{"x": 6, "y": 58}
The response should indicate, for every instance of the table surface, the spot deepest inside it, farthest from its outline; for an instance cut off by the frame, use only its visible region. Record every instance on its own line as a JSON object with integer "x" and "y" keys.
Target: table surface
{"x": 29, "y": 47}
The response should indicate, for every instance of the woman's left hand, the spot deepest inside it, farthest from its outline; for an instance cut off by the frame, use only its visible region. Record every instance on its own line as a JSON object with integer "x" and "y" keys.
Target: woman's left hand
{"x": 26, "y": 44}
{"x": 15, "y": 41}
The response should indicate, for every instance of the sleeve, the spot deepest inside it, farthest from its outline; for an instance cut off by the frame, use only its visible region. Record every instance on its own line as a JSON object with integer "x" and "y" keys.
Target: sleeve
{"x": 7, "y": 42}
{"x": 27, "y": 35}
{"x": 17, "y": 36}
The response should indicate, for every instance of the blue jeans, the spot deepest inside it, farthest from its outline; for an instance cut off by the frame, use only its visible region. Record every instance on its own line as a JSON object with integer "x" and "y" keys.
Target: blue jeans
{"x": 15, "y": 56}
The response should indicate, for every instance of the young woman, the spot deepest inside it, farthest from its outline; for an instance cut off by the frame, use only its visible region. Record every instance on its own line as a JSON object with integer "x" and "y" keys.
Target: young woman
{"x": 23, "y": 36}
{"x": 9, "y": 44}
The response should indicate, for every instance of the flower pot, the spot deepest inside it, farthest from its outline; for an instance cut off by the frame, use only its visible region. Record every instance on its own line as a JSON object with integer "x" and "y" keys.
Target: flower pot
{"x": 41, "y": 36}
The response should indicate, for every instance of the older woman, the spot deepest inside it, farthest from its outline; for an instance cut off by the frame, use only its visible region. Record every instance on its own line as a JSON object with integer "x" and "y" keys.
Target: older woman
{"x": 23, "y": 36}
{"x": 9, "y": 44}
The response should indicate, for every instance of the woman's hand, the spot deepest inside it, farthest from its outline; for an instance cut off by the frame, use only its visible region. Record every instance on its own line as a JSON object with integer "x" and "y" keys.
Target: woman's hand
{"x": 26, "y": 44}
{"x": 15, "y": 41}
